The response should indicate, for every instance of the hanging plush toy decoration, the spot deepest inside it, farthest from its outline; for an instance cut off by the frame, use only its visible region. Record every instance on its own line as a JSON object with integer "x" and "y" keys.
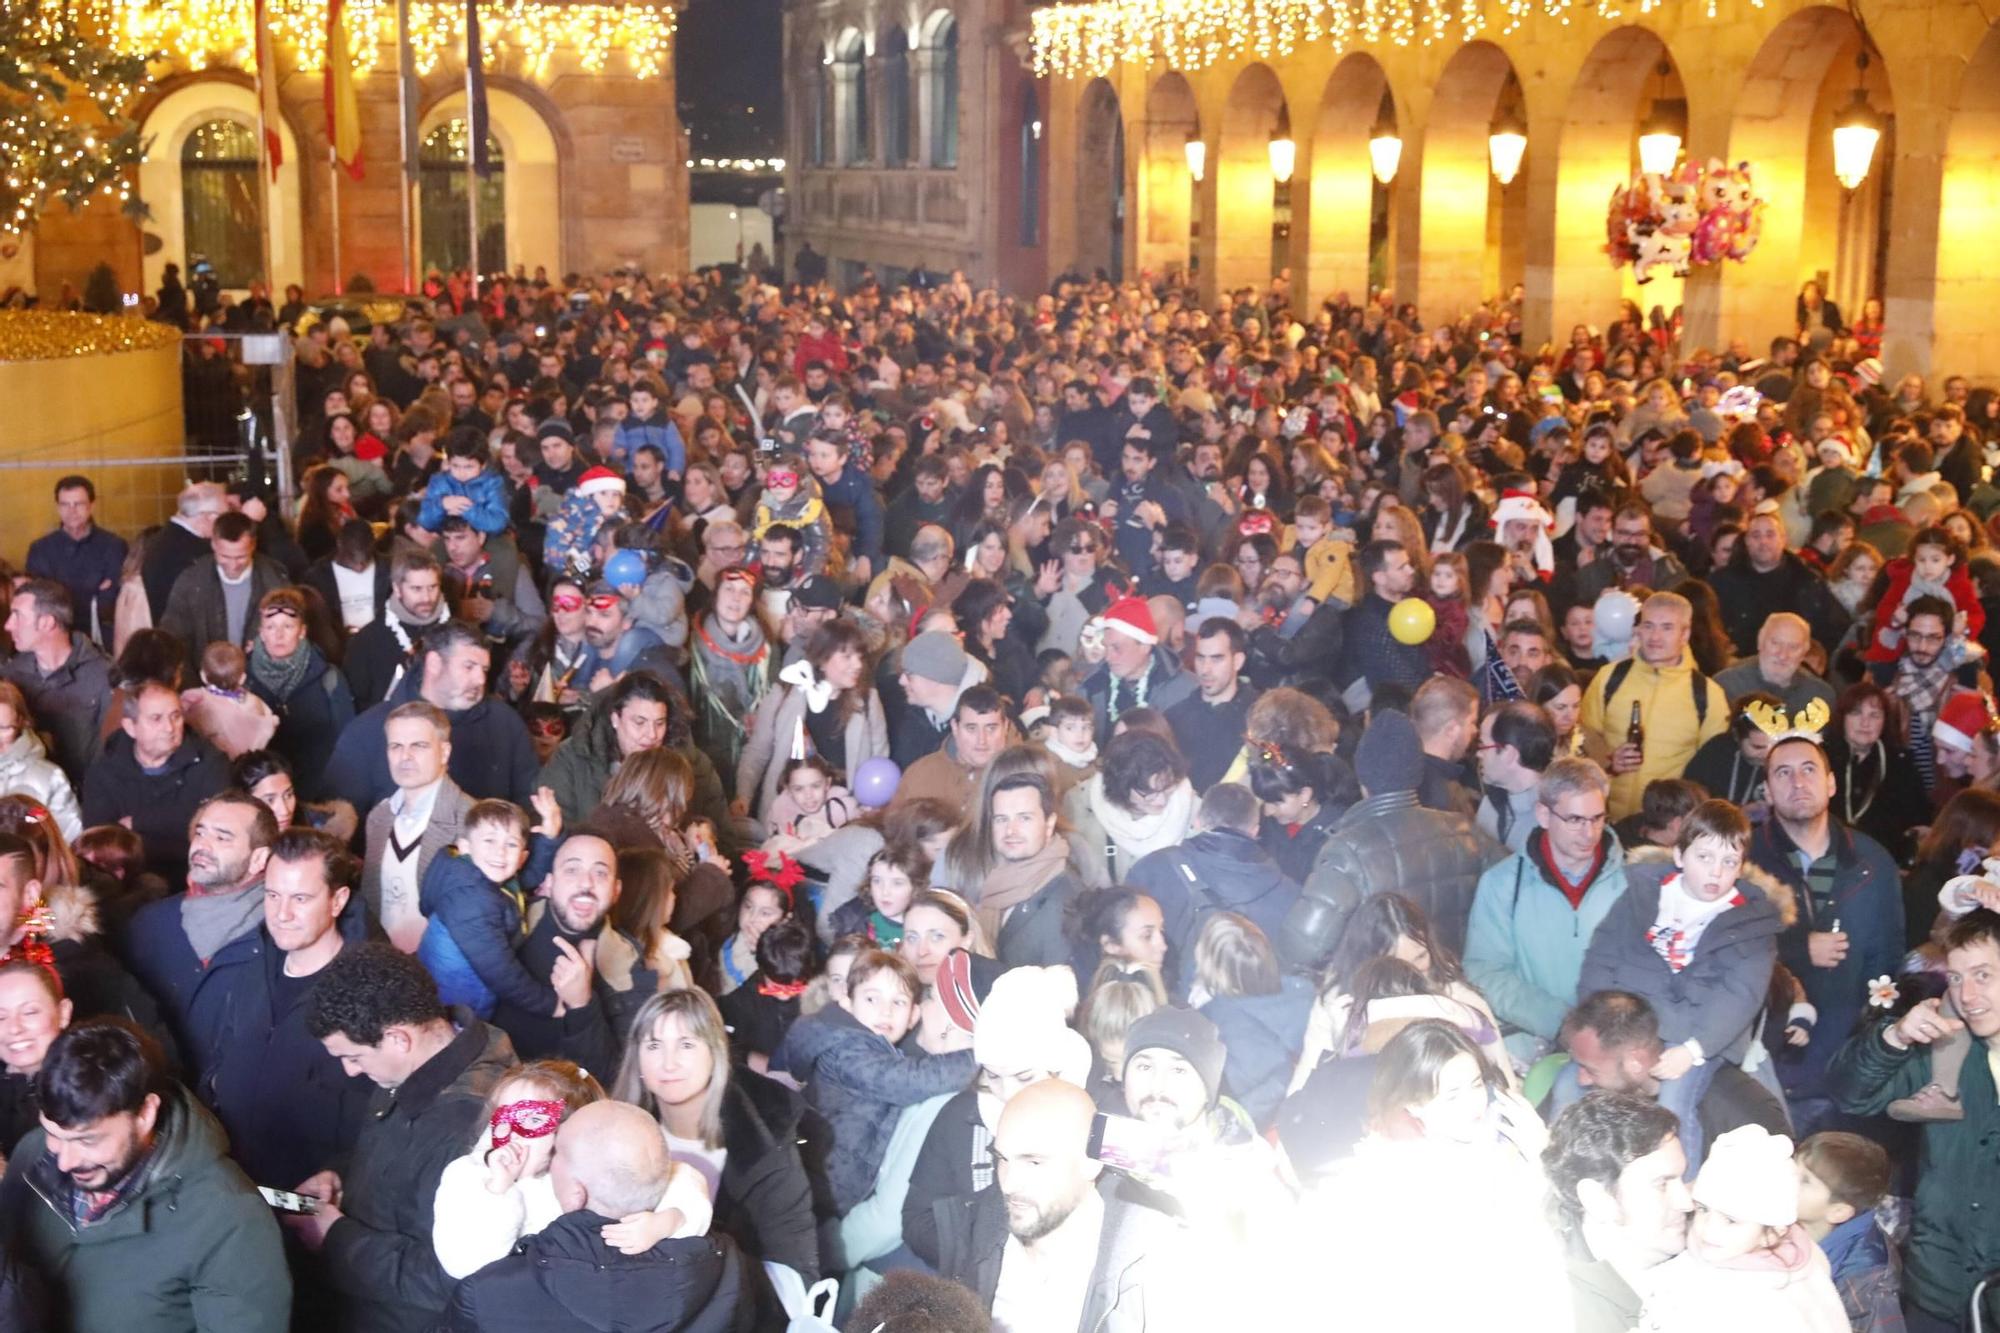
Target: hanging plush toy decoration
{"x": 1693, "y": 216}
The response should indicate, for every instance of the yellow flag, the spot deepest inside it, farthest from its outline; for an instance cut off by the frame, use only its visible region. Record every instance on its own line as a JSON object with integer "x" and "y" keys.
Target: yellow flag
{"x": 343, "y": 110}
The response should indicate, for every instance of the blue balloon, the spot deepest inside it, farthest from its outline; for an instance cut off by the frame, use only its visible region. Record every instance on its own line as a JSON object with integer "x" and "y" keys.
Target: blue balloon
{"x": 624, "y": 569}
{"x": 875, "y": 782}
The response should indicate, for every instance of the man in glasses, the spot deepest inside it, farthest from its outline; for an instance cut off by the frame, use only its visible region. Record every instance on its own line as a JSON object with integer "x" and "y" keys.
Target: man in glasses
{"x": 1534, "y": 913}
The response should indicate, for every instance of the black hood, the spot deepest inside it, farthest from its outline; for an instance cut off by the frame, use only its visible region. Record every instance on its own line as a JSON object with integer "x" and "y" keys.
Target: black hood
{"x": 662, "y": 1290}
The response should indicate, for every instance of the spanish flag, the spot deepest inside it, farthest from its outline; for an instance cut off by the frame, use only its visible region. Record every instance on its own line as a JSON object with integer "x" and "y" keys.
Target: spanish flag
{"x": 343, "y": 111}
{"x": 267, "y": 92}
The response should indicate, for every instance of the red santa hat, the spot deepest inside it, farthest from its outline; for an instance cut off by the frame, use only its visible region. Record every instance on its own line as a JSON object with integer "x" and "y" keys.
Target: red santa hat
{"x": 1131, "y": 617}
{"x": 1962, "y": 719}
{"x": 1520, "y": 506}
{"x": 599, "y": 480}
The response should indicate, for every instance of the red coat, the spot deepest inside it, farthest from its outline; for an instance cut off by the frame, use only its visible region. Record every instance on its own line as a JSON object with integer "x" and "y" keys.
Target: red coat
{"x": 827, "y": 347}
{"x": 1963, "y": 596}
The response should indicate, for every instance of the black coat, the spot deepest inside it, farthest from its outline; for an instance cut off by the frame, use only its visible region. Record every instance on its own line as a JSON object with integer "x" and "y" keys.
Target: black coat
{"x": 373, "y": 655}
{"x": 593, "y": 1036}
{"x": 289, "y": 1107}
{"x": 1748, "y": 596}
{"x": 319, "y": 577}
{"x": 161, "y": 804}
{"x": 943, "y": 1171}
{"x": 491, "y": 755}
{"x": 310, "y": 720}
{"x": 564, "y": 1277}
{"x": 379, "y": 1256}
{"x": 172, "y": 550}
{"x": 765, "y": 1203}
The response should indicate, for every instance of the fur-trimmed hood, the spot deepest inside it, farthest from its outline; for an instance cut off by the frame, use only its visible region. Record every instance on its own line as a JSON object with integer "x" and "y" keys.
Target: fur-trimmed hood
{"x": 1652, "y": 866}
{"x": 72, "y": 913}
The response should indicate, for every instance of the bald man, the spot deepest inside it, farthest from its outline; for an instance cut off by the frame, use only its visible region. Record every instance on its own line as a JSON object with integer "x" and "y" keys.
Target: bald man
{"x": 610, "y": 1161}
{"x": 1053, "y": 1244}
{"x": 1779, "y": 666}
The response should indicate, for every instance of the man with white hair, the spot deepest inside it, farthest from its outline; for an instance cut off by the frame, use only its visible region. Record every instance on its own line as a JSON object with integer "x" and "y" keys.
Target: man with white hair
{"x": 610, "y": 1162}
{"x": 1779, "y": 666}
{"x": 183, "y": 540}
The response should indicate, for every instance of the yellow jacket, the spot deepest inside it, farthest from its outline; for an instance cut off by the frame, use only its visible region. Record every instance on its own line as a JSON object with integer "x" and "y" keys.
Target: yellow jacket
{"x": 1674, "y": 730}
{"x": 1329, "y": 567}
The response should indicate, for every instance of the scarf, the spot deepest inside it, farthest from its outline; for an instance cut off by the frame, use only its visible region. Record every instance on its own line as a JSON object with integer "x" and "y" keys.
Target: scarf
{"x": 1922, "y": 689}
{"x": 1682, "y": 920}
{"x": 1011, "y": 883}
{"x": 280, "y": 676}
{"x": 399, "y": 616}
{"x": 1074, "y": 758}
{"x": 212, "y": 921}
{"x": 1133, "y": 835}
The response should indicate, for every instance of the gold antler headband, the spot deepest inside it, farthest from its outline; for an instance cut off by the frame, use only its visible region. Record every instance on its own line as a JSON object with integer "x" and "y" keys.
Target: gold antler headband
{"x": 1806, "y": 724}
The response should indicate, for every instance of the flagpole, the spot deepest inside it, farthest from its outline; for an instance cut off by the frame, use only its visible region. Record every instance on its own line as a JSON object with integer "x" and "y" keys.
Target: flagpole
{"x": 333, "y": 174}
{"x": 267, "y": 157}
{"x": 405, "y": 113}
{"x": 473, "y": 132}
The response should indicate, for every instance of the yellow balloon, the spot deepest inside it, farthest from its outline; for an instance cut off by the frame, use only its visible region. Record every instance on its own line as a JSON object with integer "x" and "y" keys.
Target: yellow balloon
{"x": 1412, "y": 620}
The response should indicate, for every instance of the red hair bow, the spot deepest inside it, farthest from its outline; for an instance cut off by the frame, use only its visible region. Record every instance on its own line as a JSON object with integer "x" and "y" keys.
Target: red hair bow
{"x": 781, "y": 872}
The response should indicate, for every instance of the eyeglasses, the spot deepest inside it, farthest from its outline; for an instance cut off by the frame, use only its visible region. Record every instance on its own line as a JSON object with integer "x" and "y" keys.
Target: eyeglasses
{"x": 1083, "y": 548}
{"x": 1576, "y": 823}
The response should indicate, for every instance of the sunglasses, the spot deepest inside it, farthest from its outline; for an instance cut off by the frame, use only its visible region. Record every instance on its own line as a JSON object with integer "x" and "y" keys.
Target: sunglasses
{"x": 270, "y": 611}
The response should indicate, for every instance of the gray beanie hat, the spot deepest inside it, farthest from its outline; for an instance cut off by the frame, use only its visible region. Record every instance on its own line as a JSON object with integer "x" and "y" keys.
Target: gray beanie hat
{"x": 935, "y": 655}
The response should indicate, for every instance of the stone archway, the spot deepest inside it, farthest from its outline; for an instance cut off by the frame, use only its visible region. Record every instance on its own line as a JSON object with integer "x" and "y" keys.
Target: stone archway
{"x": 1339, "y": 195}
{"x": 1597, "y": 151}
{"x": 1968, "y": 285}
{"x": 1795, "y": 85}
{"x": 1236, "y": 248}
{"x": 1100, "y": 181}
{"x": 1470, "y": 229}
{"x": 1166, "y": 195}
{"x": 531, "y": 189}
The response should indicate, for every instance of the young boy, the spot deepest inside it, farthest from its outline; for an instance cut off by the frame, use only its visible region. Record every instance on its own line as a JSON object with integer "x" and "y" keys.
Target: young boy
{"x": 465, "y": 487}
{"x": 856, "y": 1077}
{"x": 475, "y": 898}
{"x": 1697, "y": 937}
{"x": 1179, "y": 566}
{"x": 1074, "y": 738}
{"x": 1843, "y": 1178}
{"x": 1328, "y": 563}
{"x": 791, "y": 498}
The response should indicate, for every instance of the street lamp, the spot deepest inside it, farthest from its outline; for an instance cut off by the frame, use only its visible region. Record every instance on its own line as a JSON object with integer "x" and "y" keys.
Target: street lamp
{"x": 1856, "y": 131}
{"x": 1197, "y": 156}
{"x": 1506, "y": 144}
{"x": 1284, "y": 153}
{"x": 1660, "y": 134}
{"x": 1385, "y": 151}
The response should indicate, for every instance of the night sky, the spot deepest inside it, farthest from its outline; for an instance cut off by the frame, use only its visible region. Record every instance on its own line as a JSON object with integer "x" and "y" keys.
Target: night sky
{"x": 729, "y": 63}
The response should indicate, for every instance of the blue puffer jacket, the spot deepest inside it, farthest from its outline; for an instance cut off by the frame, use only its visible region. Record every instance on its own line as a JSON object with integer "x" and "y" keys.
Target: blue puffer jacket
{"x": 1717, "y": 997}
{"x": 1263, "y": 1035}
{"x": 859, "y": 1083}
{"x": 474, "y": 928}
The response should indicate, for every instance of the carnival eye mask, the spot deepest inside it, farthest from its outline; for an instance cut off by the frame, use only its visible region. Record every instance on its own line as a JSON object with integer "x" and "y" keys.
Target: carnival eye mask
{"x": 532, "y": 1119}
{"x": 779, "y": 478}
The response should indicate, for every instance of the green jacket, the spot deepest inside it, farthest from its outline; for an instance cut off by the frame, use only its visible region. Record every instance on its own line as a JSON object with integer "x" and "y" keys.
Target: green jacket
{"x": 579, "y": 769}
{"x": 195, "y": 1248}
{"x": 1955, "y": 1236}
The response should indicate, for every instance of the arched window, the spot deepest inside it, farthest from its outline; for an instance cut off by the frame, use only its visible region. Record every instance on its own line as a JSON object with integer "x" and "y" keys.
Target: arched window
{"x": 443, "y": 212}
{"x": 220, "y": 212}
{"x": 895, "y": 49}
{"x": 1031, "y": 166}
{"x": 819, "y": 134}
{"x": 943, "y": 44}
{"x": 850, "y": 89}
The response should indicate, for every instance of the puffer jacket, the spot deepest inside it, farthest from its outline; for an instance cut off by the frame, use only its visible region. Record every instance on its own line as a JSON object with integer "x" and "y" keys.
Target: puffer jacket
{"x": 70, "y": 702}
{"x": 1389, "y": 844}
{"x": 1674, "y": 728}
{"x": 1263, "y": 1036}
{"x": 1524, "y": 945}
{"x": 1717, "y": 998}
{"x": 27, "y": 770}
{"x": 859, "y": 1082}
{"x": 192, "y": 1246}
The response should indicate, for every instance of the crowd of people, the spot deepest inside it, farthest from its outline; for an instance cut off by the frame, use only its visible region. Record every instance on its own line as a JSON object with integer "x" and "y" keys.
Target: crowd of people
{"x": 1077, "y": 811}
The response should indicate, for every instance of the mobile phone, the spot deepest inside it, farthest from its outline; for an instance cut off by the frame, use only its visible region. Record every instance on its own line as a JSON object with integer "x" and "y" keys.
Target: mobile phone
{"x": 1128, "y": 1144}
{"x": 289, "y": 1201}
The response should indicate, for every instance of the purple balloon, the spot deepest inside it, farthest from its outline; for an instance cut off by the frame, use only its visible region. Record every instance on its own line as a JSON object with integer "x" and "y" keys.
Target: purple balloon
{"x": 875, "y": 781}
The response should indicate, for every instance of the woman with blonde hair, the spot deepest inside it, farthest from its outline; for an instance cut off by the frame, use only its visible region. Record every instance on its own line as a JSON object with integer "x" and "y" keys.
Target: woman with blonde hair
{"x": 736, "y": 1127}
{"x": 1259, "y": 1010}
{"x": 1121, "y": 994}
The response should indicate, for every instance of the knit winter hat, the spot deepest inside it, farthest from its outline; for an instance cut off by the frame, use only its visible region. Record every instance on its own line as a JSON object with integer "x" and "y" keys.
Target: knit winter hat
{"x": 600, "y": 479}
{"x": 1024, "y": 1025}
{"x": 557, "y": 427}
{"x": 963, "y": 985}
{"x": 1389, "y": 757}
{"x": 1131, "y": 617}
{"x": 1189, "y": 1035}
{"x": 935, "y": 655}
{"x": 1869, "y": 370}
{"x": 1961, "y": 719}
{"x": 1749, "y": 1176}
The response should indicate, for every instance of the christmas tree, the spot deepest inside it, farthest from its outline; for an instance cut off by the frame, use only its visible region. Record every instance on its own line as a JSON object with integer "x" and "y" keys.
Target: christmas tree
{"x": 64, "y": 133}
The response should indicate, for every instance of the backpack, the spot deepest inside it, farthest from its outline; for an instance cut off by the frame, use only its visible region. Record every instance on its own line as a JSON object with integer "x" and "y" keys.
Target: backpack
{"x": 1615, "y": 678}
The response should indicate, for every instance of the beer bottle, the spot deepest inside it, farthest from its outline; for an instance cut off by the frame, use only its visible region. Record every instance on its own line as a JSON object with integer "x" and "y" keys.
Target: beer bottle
{"x": 1635, "y": 732}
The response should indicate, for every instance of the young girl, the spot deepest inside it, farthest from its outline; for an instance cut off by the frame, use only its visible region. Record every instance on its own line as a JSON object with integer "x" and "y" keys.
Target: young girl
{"x": 1446, "y": 596}
{"x": 500, "y": 1191}
{"x": 1120, "y": 995}
{"x": 1748, "y": 1263}
{"x": 895, "y": 873}
{"x": 791, "y": 497}
{"x": 810, "y": 804}
{"x": 765, "y": 903}
{"x": 1258, "y": 1009}
{"x": 1935, "y": 567}
{"x": 598, "y": 495}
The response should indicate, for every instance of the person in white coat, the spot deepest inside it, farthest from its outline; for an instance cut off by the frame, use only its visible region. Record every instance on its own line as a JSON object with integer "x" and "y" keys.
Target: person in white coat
{"x": 25, "y": 766}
